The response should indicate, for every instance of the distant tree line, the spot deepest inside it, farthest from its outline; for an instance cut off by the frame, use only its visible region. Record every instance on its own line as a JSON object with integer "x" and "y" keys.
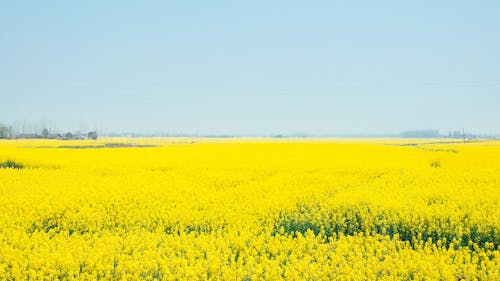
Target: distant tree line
{"x": 436, "y": 134}
{"x": 7, "y": 132}
{"x": 421, "y": 134}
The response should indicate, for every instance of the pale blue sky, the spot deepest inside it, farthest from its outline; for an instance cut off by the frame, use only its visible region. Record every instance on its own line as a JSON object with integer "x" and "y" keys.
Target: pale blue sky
{"x": 253, "y": 67}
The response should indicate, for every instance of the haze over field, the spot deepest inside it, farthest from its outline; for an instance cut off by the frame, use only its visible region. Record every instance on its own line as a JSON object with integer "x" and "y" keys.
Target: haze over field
{"x": 221, "y": 67}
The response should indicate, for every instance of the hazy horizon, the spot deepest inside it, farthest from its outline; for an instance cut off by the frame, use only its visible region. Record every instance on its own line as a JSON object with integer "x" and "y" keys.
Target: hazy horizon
{"x": 260, "y": 68}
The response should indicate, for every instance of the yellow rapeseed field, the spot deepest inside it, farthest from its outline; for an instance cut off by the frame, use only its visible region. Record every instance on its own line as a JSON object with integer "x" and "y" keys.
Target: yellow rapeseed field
{"x": 236, "y": 209}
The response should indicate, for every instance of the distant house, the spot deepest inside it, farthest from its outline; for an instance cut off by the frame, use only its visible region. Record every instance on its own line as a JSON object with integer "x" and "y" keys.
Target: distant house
{"x": 54, "y": 136}
{"x": 27, "y": 136}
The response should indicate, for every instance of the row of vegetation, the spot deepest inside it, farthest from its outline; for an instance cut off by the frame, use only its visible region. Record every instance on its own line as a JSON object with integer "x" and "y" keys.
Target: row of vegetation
{"x": 6, "y": 132}
{"x": 9, "y": 164}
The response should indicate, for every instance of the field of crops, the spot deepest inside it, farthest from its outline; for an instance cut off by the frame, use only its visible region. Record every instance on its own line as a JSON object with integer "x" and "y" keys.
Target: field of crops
{"x": 229, "y": 209}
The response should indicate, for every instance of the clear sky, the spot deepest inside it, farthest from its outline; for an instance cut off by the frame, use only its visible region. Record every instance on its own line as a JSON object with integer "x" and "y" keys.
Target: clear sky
{"x": 252, "y": 67}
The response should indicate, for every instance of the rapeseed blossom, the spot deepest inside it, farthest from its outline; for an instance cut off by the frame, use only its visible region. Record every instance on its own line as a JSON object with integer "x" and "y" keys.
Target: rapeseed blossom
{"x": 237, "y": 209}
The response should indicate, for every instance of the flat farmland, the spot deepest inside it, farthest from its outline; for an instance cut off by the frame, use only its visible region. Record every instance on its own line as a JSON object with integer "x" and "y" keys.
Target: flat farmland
{"x": 249, "y": 209}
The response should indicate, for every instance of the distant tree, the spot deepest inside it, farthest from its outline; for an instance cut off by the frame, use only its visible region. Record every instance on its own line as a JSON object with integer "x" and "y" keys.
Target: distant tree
{"x": 92, "y": 135}
{"x": 68, "y": 135}
{"x": 4, "y": 132}
{"x": 45, "y": 133}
